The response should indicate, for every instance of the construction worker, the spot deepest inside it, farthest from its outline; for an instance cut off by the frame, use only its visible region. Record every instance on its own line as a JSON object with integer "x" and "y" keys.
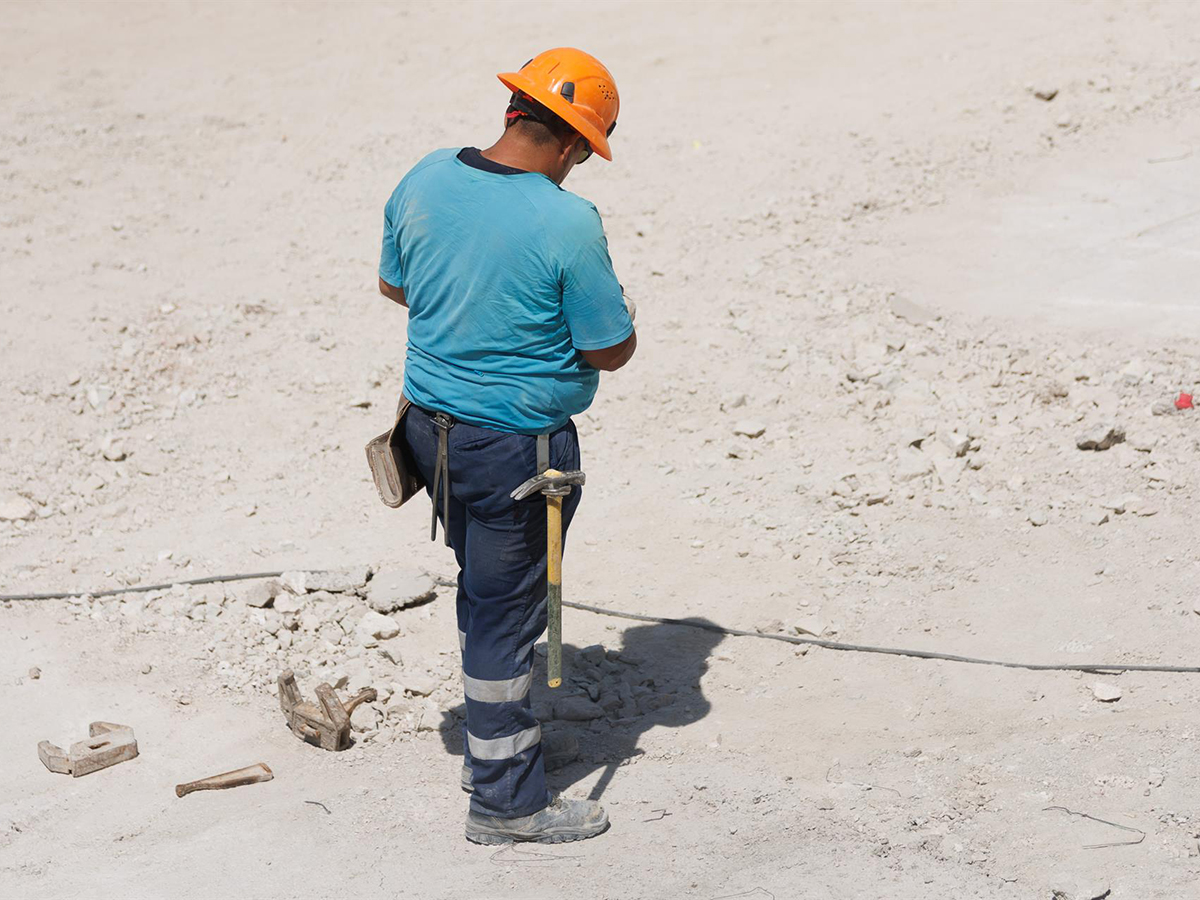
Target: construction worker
{"x": 513, "y": 312}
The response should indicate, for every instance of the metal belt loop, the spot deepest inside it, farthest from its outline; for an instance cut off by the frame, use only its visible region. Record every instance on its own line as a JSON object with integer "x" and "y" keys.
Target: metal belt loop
{"x": 441, "y": 476}
{"x": 543, "y": 453}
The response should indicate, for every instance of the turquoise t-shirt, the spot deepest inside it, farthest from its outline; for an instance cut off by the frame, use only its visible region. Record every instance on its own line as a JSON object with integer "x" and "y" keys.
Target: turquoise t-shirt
{"x": 507, "y": 276}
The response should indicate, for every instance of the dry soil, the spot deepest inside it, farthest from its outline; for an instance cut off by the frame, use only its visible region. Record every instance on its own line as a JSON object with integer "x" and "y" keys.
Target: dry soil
{"x": 884, "y": 287}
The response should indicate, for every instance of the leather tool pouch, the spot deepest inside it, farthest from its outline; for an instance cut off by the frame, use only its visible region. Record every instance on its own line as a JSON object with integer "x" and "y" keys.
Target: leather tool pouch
{"x": 396, "y": 476}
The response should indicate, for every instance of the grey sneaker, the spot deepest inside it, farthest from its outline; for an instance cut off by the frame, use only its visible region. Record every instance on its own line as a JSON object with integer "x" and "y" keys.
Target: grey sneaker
{"x": 559, "y": 748}
{"x": 562, "y": 820}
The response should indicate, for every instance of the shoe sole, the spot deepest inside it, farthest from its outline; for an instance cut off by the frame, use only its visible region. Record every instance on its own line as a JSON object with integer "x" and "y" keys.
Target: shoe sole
{"x": 492, "y": 838}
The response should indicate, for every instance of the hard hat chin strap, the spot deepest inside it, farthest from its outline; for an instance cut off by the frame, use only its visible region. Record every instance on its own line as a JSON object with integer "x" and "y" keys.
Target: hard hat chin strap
{"x": 522, "y": 106}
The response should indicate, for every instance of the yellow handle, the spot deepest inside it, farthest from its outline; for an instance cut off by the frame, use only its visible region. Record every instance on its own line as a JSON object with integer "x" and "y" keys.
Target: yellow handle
{"x": 554, "y": 587}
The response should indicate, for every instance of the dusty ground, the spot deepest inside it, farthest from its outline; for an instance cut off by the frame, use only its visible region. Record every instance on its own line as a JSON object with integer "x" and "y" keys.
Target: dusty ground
{"x": 193, "y": 355}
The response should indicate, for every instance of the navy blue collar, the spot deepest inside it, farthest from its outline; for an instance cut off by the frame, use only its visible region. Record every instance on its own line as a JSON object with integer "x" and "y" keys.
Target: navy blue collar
{"x": 476, "y": 160}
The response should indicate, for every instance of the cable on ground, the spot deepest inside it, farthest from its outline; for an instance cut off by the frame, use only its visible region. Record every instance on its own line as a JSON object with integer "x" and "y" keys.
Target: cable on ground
{"x": 138, "y": 588}
{"x": 686, "y": 623}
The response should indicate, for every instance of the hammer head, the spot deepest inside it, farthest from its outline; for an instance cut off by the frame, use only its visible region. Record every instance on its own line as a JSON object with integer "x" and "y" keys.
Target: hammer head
{"x": 552, "y": 483}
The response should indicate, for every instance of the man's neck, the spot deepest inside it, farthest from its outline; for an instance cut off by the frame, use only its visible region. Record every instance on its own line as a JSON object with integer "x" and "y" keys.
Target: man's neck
{"x": 519, "y": 154}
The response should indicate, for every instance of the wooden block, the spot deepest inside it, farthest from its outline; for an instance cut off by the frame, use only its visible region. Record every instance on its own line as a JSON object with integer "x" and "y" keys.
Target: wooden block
{"x": 54, "y": 758}
{"x": 108, "y": 745}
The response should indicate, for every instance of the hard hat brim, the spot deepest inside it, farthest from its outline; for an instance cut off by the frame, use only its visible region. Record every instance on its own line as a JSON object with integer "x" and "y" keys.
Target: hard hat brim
{"x": 515, "y": 81}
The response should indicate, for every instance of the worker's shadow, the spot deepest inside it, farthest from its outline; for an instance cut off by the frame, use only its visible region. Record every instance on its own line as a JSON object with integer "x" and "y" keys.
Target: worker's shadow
{"x": 660, "y": 665}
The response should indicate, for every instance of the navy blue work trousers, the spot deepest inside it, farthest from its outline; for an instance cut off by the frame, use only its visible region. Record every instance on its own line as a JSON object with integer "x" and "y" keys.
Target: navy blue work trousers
{"x": 500, "y": 545}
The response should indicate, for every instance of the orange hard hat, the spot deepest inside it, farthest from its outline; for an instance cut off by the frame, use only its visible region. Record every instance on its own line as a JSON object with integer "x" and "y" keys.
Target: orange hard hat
{"x": 574, "y": 86}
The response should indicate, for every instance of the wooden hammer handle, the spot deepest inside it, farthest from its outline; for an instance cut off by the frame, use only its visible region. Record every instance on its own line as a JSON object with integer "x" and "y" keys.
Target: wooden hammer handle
{"x": 249, "y": 775}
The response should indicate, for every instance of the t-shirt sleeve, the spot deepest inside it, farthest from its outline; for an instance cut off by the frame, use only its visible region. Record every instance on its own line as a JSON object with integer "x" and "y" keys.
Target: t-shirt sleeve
{"x": 592, "y": 301}
{"x": 389, "y": 257}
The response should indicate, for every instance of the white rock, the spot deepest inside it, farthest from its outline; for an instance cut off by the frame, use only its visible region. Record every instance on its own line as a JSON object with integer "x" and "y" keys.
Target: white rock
{"x": 956, "y": 443}
{"x": 750, "y": 429}
{"x": 393, "y": 589}
{"x": 350, "y": 578}
{"x": 1106, "y": 692}
{"x": 98, "y": 395}
{"x": 1038, "y": 518}
{"x": 94, "y": 482}
{"x": 1096, "y": 516}
{"x": 948, "y": 470}
{"x": 295, "y": 581}
{"x": 419, "y": 685}
{"x": 113, "y": 449}
{"x": 272, "y": 622}
{"x": 1134, "y": 371}
{"x": 258, "y": 593}
{"x": 591, "y": 655}
{"x": 576, "y": 708}
{"x": 360, "y": 677}
{"x": 429, "y": 716}
{"x": 289, "y": 604}
{"x": 366, "y": 717}
{"x": 390, "y": 650}
{"x": 373, "y": 627}
{"x": 810, "y": 623}
{"x": 201, "y": 612}
{"x": 15, "y": 508}
{"x": 909, "y": 311}
{"x": 913, "y": 464}
{"x": 1089, "y": 888}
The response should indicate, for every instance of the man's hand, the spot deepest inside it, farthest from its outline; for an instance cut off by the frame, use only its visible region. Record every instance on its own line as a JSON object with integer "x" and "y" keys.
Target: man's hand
{"x": 611, "y": 358}
{"x": 393, "y": 293}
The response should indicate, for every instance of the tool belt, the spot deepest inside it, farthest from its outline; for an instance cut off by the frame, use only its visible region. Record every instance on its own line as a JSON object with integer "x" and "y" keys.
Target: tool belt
{"x": 441, "y": 470}
{"x": 395, "y": 474}
{"x": 397, "y": 478}
{"x": 441, "y": 473}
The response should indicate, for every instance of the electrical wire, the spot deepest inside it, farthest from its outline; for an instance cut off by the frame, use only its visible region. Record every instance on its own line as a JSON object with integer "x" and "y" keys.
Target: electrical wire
{"x": 890, "y": 651}
{"x": 138, "y": 588}
{"x": 686, "y": 623}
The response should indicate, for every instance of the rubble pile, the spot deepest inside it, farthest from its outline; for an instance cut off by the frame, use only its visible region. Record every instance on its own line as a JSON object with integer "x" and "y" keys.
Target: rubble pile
{"x": 604, "y": 685}
{"x": 327, "y": 626}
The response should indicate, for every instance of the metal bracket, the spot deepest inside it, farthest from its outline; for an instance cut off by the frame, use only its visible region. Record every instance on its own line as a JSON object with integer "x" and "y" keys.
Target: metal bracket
{"x": 328, "y": 725}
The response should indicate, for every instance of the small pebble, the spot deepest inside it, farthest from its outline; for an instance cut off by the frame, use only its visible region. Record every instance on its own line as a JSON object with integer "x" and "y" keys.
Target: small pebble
{"x": 1106, "y": 692}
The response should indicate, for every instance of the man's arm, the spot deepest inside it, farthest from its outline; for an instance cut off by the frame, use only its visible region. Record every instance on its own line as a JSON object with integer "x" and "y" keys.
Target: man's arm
{"x": 397, "y": 294}
{"x": 609, "y": 359}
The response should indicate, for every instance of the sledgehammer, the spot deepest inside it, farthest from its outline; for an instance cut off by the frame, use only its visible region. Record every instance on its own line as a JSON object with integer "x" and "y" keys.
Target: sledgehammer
{"x": 554, "y": 485}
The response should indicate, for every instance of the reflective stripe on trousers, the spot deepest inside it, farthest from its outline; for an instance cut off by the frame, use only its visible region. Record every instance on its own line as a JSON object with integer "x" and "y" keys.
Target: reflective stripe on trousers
{"x": 500, "y": 546}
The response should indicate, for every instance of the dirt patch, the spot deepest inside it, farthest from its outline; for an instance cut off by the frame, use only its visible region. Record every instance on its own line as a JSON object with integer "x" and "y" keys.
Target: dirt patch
{"x": 856, "y": 410}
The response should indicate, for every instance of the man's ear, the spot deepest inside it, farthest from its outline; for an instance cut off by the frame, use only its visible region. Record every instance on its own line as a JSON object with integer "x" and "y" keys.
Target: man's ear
{"x": 569, "y": 149}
